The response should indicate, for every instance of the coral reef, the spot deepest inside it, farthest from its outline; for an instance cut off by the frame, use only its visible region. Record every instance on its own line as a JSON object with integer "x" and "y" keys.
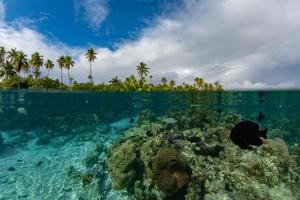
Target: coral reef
{"x": 170, "y": 171}
{"x": 146, "y": 116}
{"x": 122, "y": 165}
{"x": 188, "y": 154}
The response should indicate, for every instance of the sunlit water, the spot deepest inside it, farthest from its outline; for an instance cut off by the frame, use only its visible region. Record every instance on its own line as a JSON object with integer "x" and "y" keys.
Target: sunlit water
{"x": 45, "y": 134}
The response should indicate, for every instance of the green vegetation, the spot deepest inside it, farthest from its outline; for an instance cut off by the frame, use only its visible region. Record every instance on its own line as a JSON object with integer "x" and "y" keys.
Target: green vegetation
{"x": 17, "y": 71}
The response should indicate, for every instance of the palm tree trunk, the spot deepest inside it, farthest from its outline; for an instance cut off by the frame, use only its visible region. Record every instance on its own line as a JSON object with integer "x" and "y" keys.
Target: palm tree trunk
{"x": 61, "y": 76}
{"x": 48, "y": 73}
{"x": 91, "y": 70}
{"x": 91, "y": 76}
{"x": 69, "y": 77}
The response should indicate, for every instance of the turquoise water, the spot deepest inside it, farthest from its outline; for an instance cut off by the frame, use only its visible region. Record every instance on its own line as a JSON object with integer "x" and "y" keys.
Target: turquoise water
{"x": 47, "y": 137}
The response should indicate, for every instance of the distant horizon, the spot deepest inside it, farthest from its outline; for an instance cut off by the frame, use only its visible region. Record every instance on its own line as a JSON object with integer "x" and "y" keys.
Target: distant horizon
{"x": 246, "y": 45}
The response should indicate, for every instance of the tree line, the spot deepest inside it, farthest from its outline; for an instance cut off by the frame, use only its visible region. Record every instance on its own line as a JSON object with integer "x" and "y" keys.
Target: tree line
{"x": 17, "y": 70}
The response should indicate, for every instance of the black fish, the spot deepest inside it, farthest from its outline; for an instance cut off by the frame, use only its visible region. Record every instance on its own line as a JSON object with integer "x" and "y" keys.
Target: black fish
{"x": 261, "y": 116}
{"x": 131, "y": 120}
{"x": 11, "y": 169}
{"x": 39, "y": 163}
{"x": 247, "y": 133}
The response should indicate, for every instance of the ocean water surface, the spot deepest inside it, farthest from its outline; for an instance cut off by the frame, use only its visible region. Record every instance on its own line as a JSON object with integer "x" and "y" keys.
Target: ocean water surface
{"x": 66, "y": 145}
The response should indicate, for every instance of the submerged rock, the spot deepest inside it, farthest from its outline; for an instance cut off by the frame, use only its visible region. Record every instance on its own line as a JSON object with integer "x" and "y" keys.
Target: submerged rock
{"x": 22, "y": 111}
{"x": 93, "y": 156}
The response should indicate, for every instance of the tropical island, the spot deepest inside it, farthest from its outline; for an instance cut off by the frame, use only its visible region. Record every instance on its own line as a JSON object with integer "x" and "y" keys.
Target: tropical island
{"x": 17, "y": 70}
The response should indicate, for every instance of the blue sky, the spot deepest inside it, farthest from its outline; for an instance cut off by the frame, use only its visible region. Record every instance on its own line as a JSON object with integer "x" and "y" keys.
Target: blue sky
{"x": 68, "y": 20}
{"x": 244, "y": 44}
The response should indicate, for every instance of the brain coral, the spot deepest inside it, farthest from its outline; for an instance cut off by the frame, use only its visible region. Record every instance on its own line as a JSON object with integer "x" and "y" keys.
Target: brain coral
{"x": 169, "y": 171}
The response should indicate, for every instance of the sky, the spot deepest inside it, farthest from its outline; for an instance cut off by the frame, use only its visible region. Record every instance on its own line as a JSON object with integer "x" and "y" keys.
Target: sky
{"x": 244, "y": 44}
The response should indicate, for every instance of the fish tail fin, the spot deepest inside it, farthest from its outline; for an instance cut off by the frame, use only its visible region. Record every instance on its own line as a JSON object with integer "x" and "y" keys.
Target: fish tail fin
{"x": 261, "y": 116}
{"x": 263, "y": 133}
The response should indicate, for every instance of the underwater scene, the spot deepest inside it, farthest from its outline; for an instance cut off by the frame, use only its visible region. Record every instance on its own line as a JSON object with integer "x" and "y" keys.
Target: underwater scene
{"x": 150, "y": 146}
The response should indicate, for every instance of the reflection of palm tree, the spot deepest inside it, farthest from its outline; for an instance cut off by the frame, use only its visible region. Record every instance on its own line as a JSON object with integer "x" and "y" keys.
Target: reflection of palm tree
{"x": 49, "y": 66}
{"x": 36, "y": 62}
{"x": 61, "y": 64}
{"x": 143, "y": 70}
{"x": 91, "y": 56}
{"x": 68, "y": 64}
{"x": 7, "y": 71}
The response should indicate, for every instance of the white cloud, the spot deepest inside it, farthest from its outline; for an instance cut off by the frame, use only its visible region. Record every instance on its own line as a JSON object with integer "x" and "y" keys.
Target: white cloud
{"x": 242, "y": 43}
{"x": 94, "y": 12}
{"x": 31, "y": 41}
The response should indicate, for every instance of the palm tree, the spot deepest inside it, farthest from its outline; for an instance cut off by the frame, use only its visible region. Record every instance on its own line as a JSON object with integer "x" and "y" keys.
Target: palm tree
{"x": 36, "y": 62}
{"x": 210, "y": 87}
{"x": 151, "y": 77}
{"x": 61, "y": 64}
{"x": 115, "y": 83}
{"x": 91, "y": 56}
{"x": 199, "y": 83}
{"x": 143, "y": 70}
{"x": 7, "y": 70}
{"x": 11, "y": 55}
{"x": 49, "y": 66}
{"x": 205, "y": 86}
{"x": 218, "y": 86}
{"x": 68, "y": 64}
{"x": 172, "y": 84}
{"x": 2, "y": 55}
{"x": 131, "y": 83}
{"x": 164, "y": 81}
{"x": 20, "y": 63}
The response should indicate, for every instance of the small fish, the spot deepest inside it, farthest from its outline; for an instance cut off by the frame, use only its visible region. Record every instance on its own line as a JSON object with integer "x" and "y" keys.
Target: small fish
{"x": 149, "y": 134}
{"x": 11, "y": 169}
{"x": 107, "y": 104}
{"x": 261, "y": 116}
{"x": 131, "y": 120}
{"x": 219, "y": 110}
{"x": 247, "y": 133}
{"x": 39, "y": 163}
